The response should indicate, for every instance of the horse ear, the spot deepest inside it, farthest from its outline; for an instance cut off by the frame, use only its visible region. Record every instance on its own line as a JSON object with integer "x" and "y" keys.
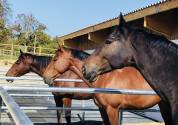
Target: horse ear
{"x": 62, "y": 49}
{"x": 122, "y": 21}
{"x": 59, "y": 45}
{"x": 22, "y": 55}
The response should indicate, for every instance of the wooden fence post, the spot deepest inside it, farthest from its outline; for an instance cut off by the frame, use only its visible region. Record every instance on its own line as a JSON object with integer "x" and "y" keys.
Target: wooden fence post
{"x": 25, "y": 48}
{"x": 39, "y": 50}
{"x": 1, "y": 102}
{"x": 12, "y": 50}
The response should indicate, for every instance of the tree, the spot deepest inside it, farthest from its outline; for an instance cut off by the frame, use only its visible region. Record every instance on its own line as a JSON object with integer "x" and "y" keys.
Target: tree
{"x": 5, "y": 10}
{"x": 5, "y": 33}
{"x": 26, "y": 27}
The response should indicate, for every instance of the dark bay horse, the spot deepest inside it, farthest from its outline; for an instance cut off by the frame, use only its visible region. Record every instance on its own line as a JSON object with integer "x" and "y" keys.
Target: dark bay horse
{"x": 153, "y": 55}
{"x": 109, "y": 104}
{"x": 32, "y": 63}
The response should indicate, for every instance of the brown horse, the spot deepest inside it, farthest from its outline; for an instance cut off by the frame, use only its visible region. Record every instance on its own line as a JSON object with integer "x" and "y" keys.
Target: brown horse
{"x": 31, "y": 63}
{"x": 109, "y": 104}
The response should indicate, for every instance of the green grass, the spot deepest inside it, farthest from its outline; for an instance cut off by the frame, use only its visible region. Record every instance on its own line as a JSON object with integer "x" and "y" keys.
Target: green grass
{"x": 7, "y": 57}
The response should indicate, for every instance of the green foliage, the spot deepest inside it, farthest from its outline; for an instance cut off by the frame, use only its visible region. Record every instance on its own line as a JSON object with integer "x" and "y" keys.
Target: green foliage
{"x": 25, "y": 33}
{"x": 5, "y": 10}
{"x": 29, "y": 31}
{"x": 5, "y": 33}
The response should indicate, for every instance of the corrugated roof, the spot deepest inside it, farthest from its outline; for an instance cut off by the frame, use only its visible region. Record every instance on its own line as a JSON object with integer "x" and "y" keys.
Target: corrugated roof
{"x": 136, "y": 10}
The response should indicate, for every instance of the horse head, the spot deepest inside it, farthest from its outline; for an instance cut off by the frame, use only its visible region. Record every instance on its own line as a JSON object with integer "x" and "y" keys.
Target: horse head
{"x": 21, "y": 66}
{"x": 115, "y": 53}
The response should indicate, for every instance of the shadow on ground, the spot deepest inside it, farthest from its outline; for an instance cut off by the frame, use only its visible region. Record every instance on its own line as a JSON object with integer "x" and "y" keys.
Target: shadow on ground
{"x": 74, "y": 123}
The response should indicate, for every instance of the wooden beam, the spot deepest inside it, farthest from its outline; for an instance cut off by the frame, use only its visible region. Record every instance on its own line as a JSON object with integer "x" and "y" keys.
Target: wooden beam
{"x": 81, "y": 43}
{"x": 98, "y": 37}
{"x": 161, "y": 23}
{"x": 151, "y": 23}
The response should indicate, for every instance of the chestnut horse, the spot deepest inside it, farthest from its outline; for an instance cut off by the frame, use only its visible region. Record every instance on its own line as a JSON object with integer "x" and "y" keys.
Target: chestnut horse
{"x": 109, "y": 104}
{"x": 31, "y": 63}
{"x": 154, "y": 56}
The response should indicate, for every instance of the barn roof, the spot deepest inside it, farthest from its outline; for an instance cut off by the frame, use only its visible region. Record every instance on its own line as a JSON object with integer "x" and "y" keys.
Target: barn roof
{"x": 151, "y": 9}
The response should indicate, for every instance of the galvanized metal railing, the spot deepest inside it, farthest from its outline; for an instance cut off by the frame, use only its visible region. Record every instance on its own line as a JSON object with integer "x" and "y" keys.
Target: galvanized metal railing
{"x": 39, "y": 79}
{"x": 70, "y": 90}
{"x": 67, "y": 89}
{"x": 81, "y": 90}
{"x": 18, "y": 116}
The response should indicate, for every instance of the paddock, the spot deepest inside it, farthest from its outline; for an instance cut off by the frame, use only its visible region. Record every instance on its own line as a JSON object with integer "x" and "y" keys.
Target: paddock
{"x": 36, "y": 103}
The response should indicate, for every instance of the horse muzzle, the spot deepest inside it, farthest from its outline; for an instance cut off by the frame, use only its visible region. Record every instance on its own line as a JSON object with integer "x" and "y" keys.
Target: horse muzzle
{"x": 10, "y": 80}
{"x": 90, "y": 76}
{"x": 48, "y": 81}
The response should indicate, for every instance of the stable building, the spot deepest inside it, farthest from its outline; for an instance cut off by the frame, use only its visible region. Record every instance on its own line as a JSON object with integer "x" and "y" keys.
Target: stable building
{"x": 161, "y": 18}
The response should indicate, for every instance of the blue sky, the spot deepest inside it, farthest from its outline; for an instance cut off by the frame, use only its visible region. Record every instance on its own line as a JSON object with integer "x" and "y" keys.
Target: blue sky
{"x": 65, "y": 16}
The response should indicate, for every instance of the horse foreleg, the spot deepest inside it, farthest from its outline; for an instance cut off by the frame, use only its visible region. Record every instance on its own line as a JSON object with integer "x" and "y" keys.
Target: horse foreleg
{"x": 165, "y": 112}
{"x": 113, "y": 115}
{"x": 104, "y": 116}
{"x": 67, "y": 103}
{"x": 59, "y": 103}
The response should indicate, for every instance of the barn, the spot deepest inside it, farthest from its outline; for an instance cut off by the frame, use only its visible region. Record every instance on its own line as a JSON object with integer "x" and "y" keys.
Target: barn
{"x": 161, "y": 18}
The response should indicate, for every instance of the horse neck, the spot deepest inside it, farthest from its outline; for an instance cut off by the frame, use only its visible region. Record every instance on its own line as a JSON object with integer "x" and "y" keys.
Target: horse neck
{"x": 76, "y": 62}
{"x": 75, "y": 66}
{"x": 156, "y": 62}
{"x": 37, "y": 68}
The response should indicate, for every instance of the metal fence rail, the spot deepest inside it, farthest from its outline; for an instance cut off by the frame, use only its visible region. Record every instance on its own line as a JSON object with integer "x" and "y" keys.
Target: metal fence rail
{"x": 39, "y": 79}
{"x": 69, "y": 90}
{"x": 18, "y": 116}
{"x": 75, "y": 108}
{"x": 82, "y": 90}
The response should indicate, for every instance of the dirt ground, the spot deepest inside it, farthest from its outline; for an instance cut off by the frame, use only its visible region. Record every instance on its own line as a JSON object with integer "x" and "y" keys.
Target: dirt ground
{"x": 6, "y": 63}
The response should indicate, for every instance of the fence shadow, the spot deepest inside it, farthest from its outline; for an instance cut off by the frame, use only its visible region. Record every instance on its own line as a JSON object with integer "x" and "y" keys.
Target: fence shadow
{"x": 73, "y": 123}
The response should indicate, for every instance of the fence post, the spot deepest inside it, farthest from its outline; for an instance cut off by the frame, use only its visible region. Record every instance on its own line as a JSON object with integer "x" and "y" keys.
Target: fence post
{"x": 0, "y": 109}
{"x": 12, "y": 50}
{"x": 39, "y": 50}
{"x": 34, "y": 49}
{"x": 120, "y": 117}
{"x": 26, "y": 48}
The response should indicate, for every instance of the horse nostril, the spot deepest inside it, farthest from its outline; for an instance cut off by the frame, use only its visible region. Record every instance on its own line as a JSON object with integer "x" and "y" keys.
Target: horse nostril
{"x": 9, "y": 80}
{"x": 48, "y": 81}
{"x": 84, "y": 70}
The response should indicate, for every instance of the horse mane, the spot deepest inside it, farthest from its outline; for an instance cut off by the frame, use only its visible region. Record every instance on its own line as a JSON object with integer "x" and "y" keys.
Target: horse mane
{"x": 39, "y": 61}
{"x": 77, "y": 53}
{"x": 157, "y": 41}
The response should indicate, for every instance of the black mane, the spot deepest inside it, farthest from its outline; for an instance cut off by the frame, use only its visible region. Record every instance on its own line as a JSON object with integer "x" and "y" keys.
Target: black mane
{"x": 78, "y": 53}
{"x": 157, "y": 41}
{"x": 39, "y": 62}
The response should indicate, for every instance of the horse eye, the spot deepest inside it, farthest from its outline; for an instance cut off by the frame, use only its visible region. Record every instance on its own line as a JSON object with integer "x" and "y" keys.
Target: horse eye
{"x": 108, "y": 41}
{"x": 18, "y": 62}
{"x": 118, "y": 38}
{"x": 55, "y": 59}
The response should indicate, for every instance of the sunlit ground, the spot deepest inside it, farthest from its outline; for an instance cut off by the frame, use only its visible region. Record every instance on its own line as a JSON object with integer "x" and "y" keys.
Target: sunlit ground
{"x": 151, "y": 123}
